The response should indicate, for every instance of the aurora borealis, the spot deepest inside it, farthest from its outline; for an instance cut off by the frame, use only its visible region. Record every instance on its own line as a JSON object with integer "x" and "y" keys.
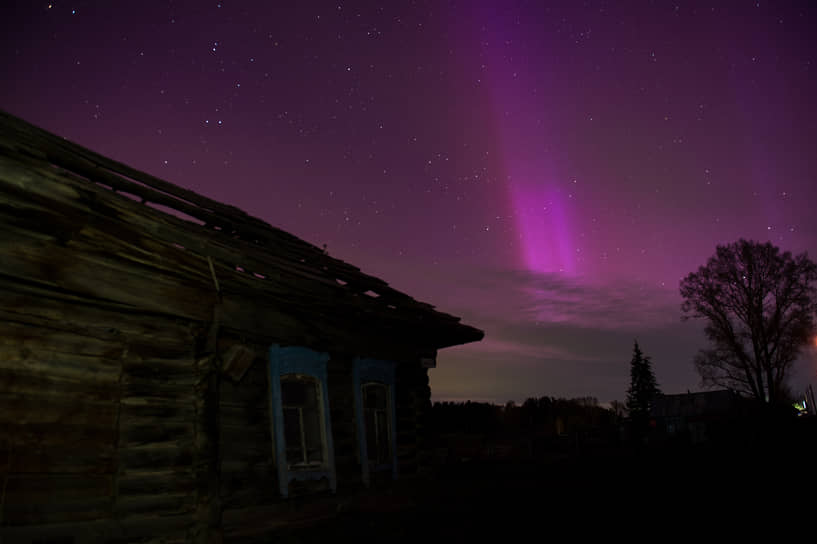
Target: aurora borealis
{"x": 546, "y": 170}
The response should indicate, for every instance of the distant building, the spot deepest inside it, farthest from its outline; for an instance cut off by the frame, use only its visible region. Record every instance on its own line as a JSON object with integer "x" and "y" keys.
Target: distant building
{"x": 696, "y": 417}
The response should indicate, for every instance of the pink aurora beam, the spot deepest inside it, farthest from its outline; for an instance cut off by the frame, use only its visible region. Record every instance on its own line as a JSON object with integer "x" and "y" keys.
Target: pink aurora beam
{"x": 535, "y": 188}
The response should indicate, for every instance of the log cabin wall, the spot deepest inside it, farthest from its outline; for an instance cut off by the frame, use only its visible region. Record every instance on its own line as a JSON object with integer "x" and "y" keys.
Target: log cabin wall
{"x": 99, "y": 422}
{"x": 115, "y": 422}
{"x": 344, "y": 422}
{"x": 413, "y": 405}
{"x": 248, "y": 479}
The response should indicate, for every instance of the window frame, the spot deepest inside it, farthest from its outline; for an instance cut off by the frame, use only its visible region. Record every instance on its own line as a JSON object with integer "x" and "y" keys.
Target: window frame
{"x": 300, "y": 362}
{"x": 386, "y": 411}
{"x": 367, "y": 371}
{"x": 303, "y": 442}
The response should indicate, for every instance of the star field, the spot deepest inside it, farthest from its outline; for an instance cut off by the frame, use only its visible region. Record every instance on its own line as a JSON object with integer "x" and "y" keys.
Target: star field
{"x": 548, "y": 171}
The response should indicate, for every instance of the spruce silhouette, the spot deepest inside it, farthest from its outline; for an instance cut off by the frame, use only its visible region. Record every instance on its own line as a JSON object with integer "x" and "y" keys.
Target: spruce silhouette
{"x": 641, "y": 393}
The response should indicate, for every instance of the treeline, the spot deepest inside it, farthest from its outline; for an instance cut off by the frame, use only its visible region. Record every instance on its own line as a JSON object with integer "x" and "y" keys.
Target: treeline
{"x": 543, "y": 417}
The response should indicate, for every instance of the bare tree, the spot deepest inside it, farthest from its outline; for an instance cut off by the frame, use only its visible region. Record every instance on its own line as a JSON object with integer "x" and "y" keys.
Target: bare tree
{"x": 759, "y": 305}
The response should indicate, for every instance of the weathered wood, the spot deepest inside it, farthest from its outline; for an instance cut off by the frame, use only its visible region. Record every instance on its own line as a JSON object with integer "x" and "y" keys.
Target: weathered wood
{"x": 112, "y": 322}
{"x": 157, "y": 504}
{"x": 161, "y": 411}
{"x": 316, "y": 274}
{"x": 50, "y": 460}
{"x": 133, "y": 482}
{"x": 157, "y": 455}
{"x": 151, "y": 431}
{"x": 59, "y": 310}
{"x": 207, "y": 512}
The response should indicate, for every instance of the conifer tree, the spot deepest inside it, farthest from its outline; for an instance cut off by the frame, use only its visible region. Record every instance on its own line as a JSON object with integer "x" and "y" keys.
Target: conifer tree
{"x": 642, "y": 391}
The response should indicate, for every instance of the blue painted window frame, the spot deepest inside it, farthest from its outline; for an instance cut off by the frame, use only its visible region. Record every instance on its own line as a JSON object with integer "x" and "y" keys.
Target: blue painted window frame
{"x": 366, "y": 371}
{"x": 305, "y": 362}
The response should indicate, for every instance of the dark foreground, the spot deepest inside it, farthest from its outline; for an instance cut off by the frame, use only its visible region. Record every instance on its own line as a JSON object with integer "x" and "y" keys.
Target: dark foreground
{"x": 731, "y": 489}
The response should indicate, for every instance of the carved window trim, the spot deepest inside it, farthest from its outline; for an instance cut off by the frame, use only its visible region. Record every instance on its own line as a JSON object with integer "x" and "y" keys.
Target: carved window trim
{"x": 375, "y": 371}
{"x": 300, "y": 362}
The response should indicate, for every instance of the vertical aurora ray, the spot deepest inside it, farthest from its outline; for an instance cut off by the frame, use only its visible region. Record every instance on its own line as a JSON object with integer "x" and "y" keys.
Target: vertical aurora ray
{"x": 541, "y": 223}
{"x": 533, "y": 184}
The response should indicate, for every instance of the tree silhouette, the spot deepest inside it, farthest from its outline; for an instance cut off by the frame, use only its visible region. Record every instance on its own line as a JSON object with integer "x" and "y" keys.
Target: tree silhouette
{"x": 759, "y": 306}
{"x": 643, "y": 390}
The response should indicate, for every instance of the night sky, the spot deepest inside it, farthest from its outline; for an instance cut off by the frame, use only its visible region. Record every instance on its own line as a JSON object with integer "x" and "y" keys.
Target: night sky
{"x": 547, "y": 171}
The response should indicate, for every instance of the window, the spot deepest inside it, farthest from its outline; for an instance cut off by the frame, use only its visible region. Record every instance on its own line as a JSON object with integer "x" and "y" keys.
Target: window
{"x": 375, "y": 408}
{"x": 301, "y": 428}
{"x": 374, "y": 405}
{"x": 301, "y": 404}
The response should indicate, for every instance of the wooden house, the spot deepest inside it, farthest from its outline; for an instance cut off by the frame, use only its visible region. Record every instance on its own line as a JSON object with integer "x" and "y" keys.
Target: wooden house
{"x": 173, "y": 369}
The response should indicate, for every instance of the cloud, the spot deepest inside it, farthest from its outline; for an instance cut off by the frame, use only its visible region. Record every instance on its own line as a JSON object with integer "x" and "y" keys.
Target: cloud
{"x": 556, "y": 299}
{"x": 547, "y": 334}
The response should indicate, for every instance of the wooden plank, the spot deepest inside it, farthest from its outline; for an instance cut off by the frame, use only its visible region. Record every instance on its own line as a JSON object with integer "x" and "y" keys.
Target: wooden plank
{"x": 179, "y": 371}
{"x": 74, "y": 437}
{"x": 28, "y": 341}
{"x": 101, "y": 277}
{"x": 22, "y": 381}
{"x": 59, "y": 458}
{"x": 154, "y": 482}
{"x": 157, "y": 455}
{"x": 38, "y": 498}
{"x": 136, "y": 408}
{"x": 98, "y": 530}
{"x": 144, "y": 432}
{"x": 54, "y": 309}
{"x": 144, "y": 389}
{"x": 24, "y": 409}
{"x": 158, "y": 505}
{"x": 16, "y": 513}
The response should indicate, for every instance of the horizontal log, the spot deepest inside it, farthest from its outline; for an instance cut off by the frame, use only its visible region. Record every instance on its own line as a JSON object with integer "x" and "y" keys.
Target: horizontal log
{"x": 92, "y": 437}
{"x": 154, "y": 482}
{"x": 181, "y": 393}
{"x": 15, "y": 513}
{"x": 138, "y": 408}
{"x": 101, "y": 277}
{"x": 58, "y": 459}
{"x": 152, "y": 370}
{"x": 28, "y": 339}
{"x": 58, "y": 310}
{"x": 23, "y": 381}
{"x": 49, "y": 488}
{"x": 158, "y": 528}
{"x": 158, "y": 504}
{"x": 153, "y": 431}
{"x": 23, "y": 409}
{"x": 157, "y": 456}
{"x": 97, "y": 530}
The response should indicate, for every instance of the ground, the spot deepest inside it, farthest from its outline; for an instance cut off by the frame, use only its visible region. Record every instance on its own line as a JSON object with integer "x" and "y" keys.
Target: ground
{"x": 701, "y": 488}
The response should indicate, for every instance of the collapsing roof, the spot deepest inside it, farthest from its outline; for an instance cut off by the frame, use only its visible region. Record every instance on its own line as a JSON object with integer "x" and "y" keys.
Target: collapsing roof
{"x": 173, "y": 244}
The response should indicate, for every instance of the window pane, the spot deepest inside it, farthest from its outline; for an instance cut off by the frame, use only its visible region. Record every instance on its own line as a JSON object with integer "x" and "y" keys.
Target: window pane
{"x": 303, "y": 420}
{"x": 293, "y": 392}
{"x": 292, "y": 435}
{"x": 375, "y": 402}
{"x": 371, "y": 435}
{"x": 382, "y": 436}
{"x": 374, "y": 396}
{"x": 312, "y": 434}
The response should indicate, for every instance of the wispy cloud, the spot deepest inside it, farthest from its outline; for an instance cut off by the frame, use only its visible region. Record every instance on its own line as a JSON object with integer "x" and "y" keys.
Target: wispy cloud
{"x": 547, "y": 334}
